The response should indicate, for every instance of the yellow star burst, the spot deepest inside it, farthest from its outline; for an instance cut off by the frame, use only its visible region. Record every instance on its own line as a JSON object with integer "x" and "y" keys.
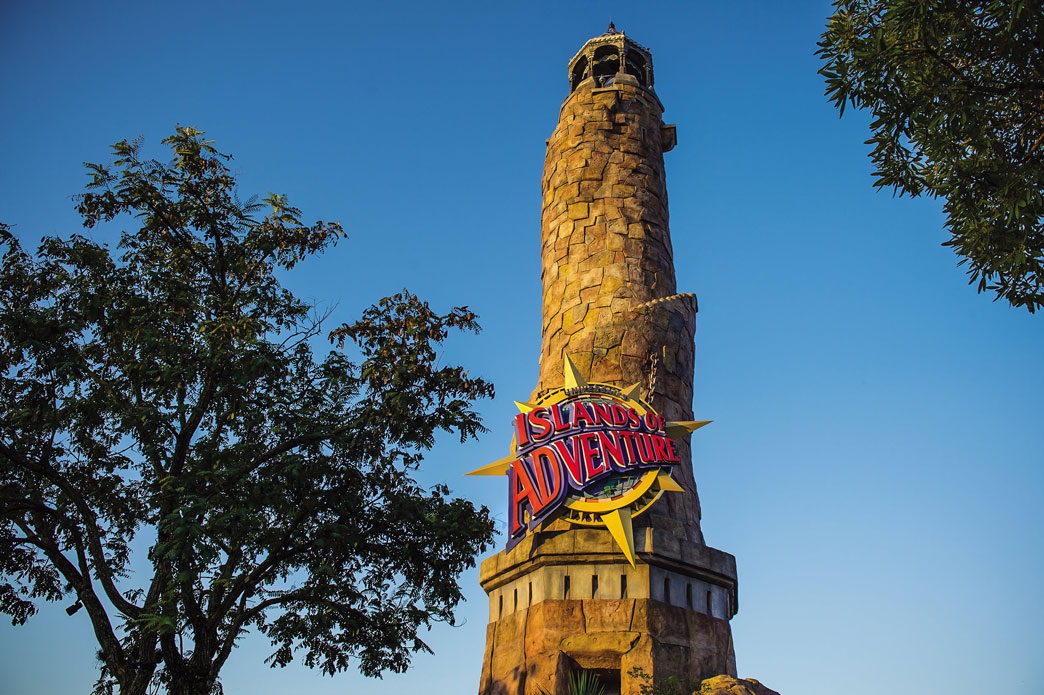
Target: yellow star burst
{"x": 573, "y": 377}
{"x": 618, "y": 522}
{"x": 680, "y": 428}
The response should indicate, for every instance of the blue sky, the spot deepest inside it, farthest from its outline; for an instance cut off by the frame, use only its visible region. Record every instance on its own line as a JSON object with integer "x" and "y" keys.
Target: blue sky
{"x": 875, "y": 462}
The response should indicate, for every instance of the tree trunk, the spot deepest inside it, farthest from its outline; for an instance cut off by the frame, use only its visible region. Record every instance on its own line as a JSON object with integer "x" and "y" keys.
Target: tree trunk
{"x": 139, "y": 682}
{"x": 191, "y": 683}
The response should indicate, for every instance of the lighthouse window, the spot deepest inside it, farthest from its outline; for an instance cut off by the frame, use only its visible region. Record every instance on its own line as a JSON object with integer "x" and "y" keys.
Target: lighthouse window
{"x": 594, "y": 586}
{"x": 688, "y": 596}
{"x": 666, "y": 590}
{"x": 623, "y": 586}
{"x": 636, "y": 66}
{"x": 606, "y": 65}
{"x": 710, "y": 608}
{"x": 580, "y": 72}
{"x": 565, "y": 592}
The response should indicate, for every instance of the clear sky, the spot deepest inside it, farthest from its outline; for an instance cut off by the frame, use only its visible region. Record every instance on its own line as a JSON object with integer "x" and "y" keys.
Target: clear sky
{"x": 875, "y": 462}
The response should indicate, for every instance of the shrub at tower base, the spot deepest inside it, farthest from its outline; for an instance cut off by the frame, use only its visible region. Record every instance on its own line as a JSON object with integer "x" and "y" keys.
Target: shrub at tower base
{"x": 171, "y": 393}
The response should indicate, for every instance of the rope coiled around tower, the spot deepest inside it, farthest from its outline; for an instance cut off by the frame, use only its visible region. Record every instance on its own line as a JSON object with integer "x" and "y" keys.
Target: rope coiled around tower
{"x": 664, "y": 300}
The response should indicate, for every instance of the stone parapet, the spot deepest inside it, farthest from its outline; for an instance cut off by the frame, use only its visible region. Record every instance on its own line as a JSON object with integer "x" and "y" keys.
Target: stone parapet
{"x": 589, "y": 553}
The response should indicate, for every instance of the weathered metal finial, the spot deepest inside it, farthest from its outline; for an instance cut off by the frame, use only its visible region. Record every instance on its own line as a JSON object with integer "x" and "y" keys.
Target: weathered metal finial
{"x": 611, "y": 30}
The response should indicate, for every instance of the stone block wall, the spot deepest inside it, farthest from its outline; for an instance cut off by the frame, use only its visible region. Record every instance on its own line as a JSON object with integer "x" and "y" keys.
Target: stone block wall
{"x": 536, "y": 648}
{"x": 609, "y": 295}
{"x": 539, "y": 632}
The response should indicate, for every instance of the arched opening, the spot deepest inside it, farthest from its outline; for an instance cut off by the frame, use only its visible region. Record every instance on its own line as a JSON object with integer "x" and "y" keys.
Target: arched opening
{"x": 636, "y": 66}
{"x": 580, "y": 73}
{"x": 606, "y": 65}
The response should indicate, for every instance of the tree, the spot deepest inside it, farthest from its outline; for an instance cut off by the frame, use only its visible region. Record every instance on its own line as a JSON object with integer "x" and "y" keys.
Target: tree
{"x": 170, "y": 394}
{"x": 956, "y": 90}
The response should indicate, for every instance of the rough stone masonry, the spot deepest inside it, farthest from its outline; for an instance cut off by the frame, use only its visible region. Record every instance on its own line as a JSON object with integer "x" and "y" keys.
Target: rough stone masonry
{"x": 565, "y": 597}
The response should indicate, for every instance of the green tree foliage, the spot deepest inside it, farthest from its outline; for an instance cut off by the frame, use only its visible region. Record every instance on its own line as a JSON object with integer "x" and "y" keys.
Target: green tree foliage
{"x": 956, "y": 90}
{"x": 170, "y": 394}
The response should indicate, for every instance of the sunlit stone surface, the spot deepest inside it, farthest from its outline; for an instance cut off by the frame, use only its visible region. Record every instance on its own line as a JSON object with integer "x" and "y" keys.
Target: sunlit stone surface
{"x": 566, "y": 597}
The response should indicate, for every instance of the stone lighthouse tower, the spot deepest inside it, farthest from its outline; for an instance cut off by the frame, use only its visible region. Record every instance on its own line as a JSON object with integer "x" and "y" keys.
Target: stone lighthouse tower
{"x": 634, "y": 593}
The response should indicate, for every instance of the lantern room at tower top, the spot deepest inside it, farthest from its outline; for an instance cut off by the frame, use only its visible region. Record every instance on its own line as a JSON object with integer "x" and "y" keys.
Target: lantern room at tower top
{"x": 611, "y": 58}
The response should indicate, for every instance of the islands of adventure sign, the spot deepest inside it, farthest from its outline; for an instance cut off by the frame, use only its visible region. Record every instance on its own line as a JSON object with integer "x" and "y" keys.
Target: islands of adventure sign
{"x": 589, "y": 453}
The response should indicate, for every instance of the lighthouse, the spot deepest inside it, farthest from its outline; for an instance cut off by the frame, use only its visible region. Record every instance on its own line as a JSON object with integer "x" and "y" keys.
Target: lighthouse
{"x": 606, "y": 569}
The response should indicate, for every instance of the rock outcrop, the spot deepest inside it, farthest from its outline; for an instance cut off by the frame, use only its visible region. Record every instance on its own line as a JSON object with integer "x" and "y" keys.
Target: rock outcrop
{"x": 727, "y": 685}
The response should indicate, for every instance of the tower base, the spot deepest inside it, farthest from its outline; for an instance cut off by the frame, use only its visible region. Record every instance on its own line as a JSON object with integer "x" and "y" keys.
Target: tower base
{"x": 568, "y": 600}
